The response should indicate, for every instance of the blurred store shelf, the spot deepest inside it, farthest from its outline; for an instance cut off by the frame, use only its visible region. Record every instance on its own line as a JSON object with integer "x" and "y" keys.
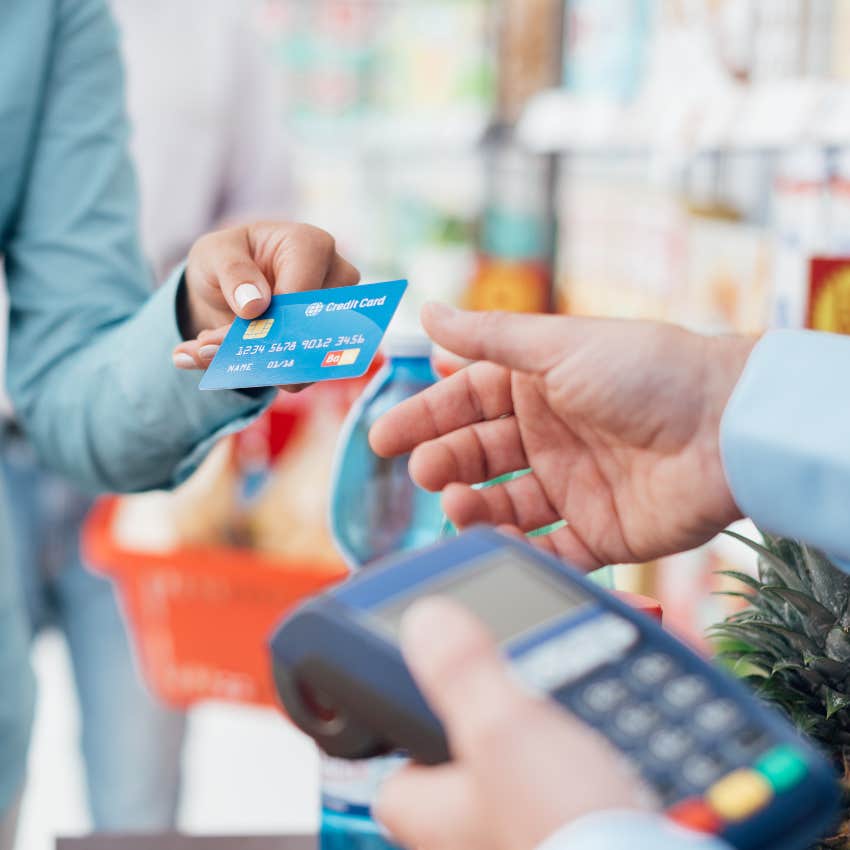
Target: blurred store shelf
{"x": 735, "y": 117}
{"x": 449, "y": 131}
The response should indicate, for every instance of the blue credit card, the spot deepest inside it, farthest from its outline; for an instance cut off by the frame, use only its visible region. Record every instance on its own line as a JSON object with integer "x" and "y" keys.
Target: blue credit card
{"x": 304, "y": 337}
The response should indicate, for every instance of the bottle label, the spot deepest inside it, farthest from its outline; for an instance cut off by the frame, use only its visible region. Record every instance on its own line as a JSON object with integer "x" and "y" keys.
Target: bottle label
{"x": 350, "y": 787}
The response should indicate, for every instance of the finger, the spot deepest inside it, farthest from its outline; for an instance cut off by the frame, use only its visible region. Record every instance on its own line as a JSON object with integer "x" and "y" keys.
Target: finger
{"x": 201, "y": 351}
{"x": 480, "y": 452}
{"x": 187, "y": 355}
{"x": 209, "y": 343}
{"x": 225, "y": 261}
{"x": 461, "y": 673}
{"x": 521, "y": 502}
{"x": 341, "y": 273}
{"x": 307, "y": 259}
{"x": 567, "y": 545}
{"x": 562, "y": 543}
{"x": 531, "y": 343}
{"x": 511, "y": 531}
{"x": 427, "y": 807}
{"x": 475, "y": 394}
{"x": 183, "y": 357}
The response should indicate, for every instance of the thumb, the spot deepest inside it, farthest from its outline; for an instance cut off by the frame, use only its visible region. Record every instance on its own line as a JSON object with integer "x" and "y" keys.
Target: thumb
{"x": 461, "y": 672}
{"x": 528, "y": 342}
{"x": 221, "y": 267}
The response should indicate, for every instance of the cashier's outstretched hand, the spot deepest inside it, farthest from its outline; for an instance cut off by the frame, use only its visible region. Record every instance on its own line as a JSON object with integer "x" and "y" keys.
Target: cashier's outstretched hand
{"x": 522, "y": 768}
{"x": 235, "y": 272}
{"x": 619, "y": 422}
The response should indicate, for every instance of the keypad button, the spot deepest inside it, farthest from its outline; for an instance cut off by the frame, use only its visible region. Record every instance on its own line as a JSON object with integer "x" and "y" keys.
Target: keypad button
{"x": 783, "y": 767}
{"x": 684, "y": 692}
{"x": 739, "y": 795}
{"x": 700, "y": 770}
{"x": 717, "y": 717}
{"x": 651, "y": 669}
{"x": 636, "y": 721}
{"x": 669, "y": 744}
{"x": 695, "y": 814}
{"x": 604, "y": 696}
{"x": 615, "y": 633}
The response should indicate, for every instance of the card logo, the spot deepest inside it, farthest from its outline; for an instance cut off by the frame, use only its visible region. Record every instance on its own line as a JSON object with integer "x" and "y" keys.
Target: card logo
{"x": 314, "y": 309}
{"x": 258, "y": 329}
{"x": 347, "y": 357}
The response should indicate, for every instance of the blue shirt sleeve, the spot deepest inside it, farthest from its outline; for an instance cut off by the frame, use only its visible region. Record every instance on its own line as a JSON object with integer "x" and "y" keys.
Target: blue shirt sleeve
{"x": 89, "y": 367}
{"x": 785, "y": 439}
{"x": 632, "y": 830}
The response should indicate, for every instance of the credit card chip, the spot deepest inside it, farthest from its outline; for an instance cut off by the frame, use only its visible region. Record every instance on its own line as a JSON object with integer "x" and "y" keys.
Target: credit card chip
{"x": 258, "y": 329}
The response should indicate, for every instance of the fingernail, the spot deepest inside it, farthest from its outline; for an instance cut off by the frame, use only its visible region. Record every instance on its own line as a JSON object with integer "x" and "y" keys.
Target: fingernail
{"x": 184, "y": 361}
{"x": 245, "y": 294}
{"x": 207, "y": 352}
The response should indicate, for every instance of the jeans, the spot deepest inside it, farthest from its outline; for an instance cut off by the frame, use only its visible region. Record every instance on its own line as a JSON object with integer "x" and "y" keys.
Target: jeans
{"x": 131, "y": 743}
{"x": 8, "y": 826}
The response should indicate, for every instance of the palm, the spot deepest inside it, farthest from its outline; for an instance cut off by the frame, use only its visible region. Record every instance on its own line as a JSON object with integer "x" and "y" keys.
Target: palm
{"x": 618, "y": 421}
{"x": 621, "y": 474}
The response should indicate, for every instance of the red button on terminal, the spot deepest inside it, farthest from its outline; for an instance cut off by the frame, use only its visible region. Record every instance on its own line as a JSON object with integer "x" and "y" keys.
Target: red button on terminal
{"x": 697, "y": 815}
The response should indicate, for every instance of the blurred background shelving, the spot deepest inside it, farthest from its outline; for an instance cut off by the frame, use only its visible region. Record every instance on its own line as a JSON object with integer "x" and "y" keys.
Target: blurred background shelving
{"x": 682, "y": 160}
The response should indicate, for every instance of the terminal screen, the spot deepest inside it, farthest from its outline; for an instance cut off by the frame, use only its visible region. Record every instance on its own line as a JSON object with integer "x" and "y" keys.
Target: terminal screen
{"x": 509, "y": 593}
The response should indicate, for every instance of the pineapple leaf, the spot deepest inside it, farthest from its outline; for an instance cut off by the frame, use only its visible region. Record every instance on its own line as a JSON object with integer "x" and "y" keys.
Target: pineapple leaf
{"x": 759, "y": 602}
{"x": 834, "y": 701}
{"x": 757, "y": 637}
{"x": 838, "y": 644}
{"x": 826, "y": 666}
{"x": 748, "y": 664}
{"x": 799, "y": 641}
{"x": 788, "y": 577}
{"x": 831, "y": 586}
{"x": 802, "y": 719}
{"x": 816, "y": 618}
{"x": 812, "y": 677}
{"x": 751, "y": 598}
{"x": 751, "y": 582}
{"x": 791, "y": 644}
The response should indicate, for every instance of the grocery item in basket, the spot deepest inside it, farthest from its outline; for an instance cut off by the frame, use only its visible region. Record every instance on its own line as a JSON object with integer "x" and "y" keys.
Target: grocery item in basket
{"x": 198, "y": 513}
{"x": 304, "y": 337}
{"x": 289, "y": 515}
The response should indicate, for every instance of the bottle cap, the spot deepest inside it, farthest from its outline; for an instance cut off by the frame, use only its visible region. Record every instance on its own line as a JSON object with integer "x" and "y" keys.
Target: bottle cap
{"x": 407, "y": 345}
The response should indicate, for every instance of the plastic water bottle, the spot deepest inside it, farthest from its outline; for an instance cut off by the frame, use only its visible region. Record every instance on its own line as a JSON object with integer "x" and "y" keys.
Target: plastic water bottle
{"x": 348, "y": 790}
{"x": 376, "y": 510}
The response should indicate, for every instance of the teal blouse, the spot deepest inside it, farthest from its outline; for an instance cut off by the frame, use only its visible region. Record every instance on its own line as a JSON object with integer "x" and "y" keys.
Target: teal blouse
{"x": 89, "y": 357}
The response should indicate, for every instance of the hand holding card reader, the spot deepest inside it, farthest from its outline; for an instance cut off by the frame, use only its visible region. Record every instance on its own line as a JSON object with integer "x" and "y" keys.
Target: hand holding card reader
{"x": 719, "y": 760}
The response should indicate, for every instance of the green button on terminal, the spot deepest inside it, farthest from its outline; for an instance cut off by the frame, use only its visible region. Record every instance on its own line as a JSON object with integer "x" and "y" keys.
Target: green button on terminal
{"x": 783, "y": 768}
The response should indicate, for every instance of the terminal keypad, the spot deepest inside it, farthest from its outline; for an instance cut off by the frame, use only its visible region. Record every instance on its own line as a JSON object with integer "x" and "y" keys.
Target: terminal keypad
{"x": 682, "y": 734}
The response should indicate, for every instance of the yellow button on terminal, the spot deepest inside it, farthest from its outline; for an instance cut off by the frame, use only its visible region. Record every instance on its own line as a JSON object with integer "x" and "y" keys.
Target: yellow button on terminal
{"x": 739, "y": 795}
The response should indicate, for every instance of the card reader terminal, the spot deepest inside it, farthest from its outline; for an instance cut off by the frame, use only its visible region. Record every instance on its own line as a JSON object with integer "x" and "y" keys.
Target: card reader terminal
{"x": 719, "y": 760}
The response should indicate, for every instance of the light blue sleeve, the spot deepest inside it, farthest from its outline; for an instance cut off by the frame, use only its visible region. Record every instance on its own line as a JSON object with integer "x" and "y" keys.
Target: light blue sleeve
{"x": 785, "y": 439}
{"x": 628, "y": 831}
{"x": 89, "y": 367}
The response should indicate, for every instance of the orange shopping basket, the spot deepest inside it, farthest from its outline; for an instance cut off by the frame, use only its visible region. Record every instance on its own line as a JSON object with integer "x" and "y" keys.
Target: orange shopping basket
{"x": 201, "y": 616}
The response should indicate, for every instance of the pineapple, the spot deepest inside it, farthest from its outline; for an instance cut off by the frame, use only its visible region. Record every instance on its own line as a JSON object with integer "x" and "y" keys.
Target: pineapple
{"x": 792, "y": 645}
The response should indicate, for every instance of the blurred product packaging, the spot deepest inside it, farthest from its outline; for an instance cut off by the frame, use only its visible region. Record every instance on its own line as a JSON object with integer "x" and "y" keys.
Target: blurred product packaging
{"x": 606, "y": 47}
{"x": 514, "y": 271}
